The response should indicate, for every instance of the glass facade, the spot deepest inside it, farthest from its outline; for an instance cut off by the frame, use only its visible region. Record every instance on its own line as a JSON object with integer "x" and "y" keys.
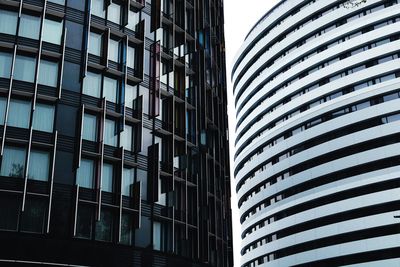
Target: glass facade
{"x": 89, "y": 134}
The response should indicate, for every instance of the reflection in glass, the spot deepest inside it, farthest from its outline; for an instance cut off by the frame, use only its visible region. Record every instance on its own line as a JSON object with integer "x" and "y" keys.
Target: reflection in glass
{"x": 19, "y": 114}
{"x": 84, "y": 222}
{"x": 43, "y": 118}
{"x": 110, "y": 138}
{"x": 107, "y": 178}
{"x": 90, "y": 127}
{"x": 104, "y": 226}
{"x": 110, "y": 89}
{"x": 52, "y": 31}
{"x": 113, "y": 50}
{"x": 48, "y": 73}
{"x": 114, "y": 13}
{"x": 8, "y": 22}
{"x": 13, "y": 162}
{"x": 5, "y": 63}
{"x": 85, "y": 174}
{"x": 39, "y": 165}
{"x": 34, "y": 216}
{"x": 92, "y": 84}
{"x": 25, "y": 68}
{"x": 128, "y": 180}
{"x": 95, "y": 44}
{"x": 29, "y": 26}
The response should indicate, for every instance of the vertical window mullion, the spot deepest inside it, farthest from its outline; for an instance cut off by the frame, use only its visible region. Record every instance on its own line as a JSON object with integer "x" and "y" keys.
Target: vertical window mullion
{"x": 53, "y": 163}
{"x": 100, "y": 173}
{"x": 61, "y": 69}
{"x": 121, "y": 182}
{"x": 8, "y": 99}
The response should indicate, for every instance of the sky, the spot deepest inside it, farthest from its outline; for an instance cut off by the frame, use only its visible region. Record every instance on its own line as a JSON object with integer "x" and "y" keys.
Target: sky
{"x": 239, "y": 19}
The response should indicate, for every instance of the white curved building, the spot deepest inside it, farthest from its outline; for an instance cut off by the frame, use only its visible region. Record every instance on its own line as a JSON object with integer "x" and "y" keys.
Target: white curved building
{"x": 317, "y": 163}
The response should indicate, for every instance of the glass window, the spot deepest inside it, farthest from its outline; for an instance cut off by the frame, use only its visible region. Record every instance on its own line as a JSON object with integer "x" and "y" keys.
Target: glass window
{"x": 39, "y": 165}
{"x": 84, "y": 222}
{"x": 10, "y": 207}
{"x": 126, "y": 137}
{"x": 43, "y": 118}
{"x": 5, "y": 63}
{"x": 90, "y": 127}
{"x": 29, "y": 26}
{"x": 8, "y": 22}
{"x": 109, "y": 133}
{"x": 19, "y": 114}
{"x": 92, "y": 84}
{"x": 25, "y": 68}
{"x": 52, "y": 31}
{"x": 126, "y": 229}
{"x": 13, "y": 162}
{"x": 95, "y": 42}
{"x": 114, "y": 13}
{"x": 108, "y": 178}
{"x": 130, "y": 95}
{"x": 131, "y": 57}
{"x": 157, "y": 236}
{"x": 133, "y": 20}
{"x": 60, "y": 2}
{"x": 34, "y": 216}
{"x": 104, "y": 226}
{"x": 128, "y": 180}
{"x": 113, "y": 50}
{"x": 110, "y": 89}
{"x": 48, "y": 73}
{"x": 3, "y": 103}
{"x": 98, "y": 8}
{"x": 85, "y": 174}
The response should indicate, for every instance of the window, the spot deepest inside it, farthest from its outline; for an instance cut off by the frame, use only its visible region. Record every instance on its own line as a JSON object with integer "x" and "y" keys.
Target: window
{"x": 126, "y": 137}
{"x": 104, "y": 226}
{"x": 131, "y": 57}
{"x": 39, "y": 165}
{"x": 92, "y": 84}
{"x": 98, "y": 8}
{"x": 5, "y": 62}
{"x": 109, "y": 133}
{"x": 3, "y": 103}
{"x": 108, "y": 178}
{"x": 43, "y": 118}
{"x": 52, "y": 31}
{"x": 157, "y": 236}
{"x": 48, "y": 73}
{"x": 29, "y": 26}
{"x": 13, "y": 162}
{"x": 85, "y": 174}
{"x": 10, "y": 207}
{"x": 34, "y": 216}
{"x": 90, "y": 127}
{"x": 60, "y": 2}
{"x": 25, "y": 68}
{"x": 133, "y": 20}
{"x": 110, "y": 89}
{"x": 128, "y": 180}
{"x": 19, "y": 114}
{"x": 84, "y": 222}
{"x": 113, "y": 50}
{"x": 95, "y": 44}
{"x": 130, "y": 95}
{"x": 126, "y": 229}
{"x": 8, "y": 22}
{"x": 114, "y": 13}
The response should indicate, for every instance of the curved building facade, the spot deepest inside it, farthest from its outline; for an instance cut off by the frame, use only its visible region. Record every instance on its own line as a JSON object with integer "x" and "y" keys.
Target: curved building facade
{"x": 317, "y": 163}
{"x": 113, "y": 145}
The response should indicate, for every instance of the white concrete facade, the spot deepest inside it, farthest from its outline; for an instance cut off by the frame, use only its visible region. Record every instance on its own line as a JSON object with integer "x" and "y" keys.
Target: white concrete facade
{"x": 317, "y": 162}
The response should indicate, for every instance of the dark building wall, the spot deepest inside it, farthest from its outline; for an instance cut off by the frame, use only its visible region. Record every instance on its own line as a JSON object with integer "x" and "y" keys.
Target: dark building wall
{"x": 113, "y": 122}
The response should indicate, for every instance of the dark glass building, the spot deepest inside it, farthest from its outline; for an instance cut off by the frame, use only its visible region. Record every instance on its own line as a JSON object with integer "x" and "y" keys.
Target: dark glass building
{"x": 113, "y": 136}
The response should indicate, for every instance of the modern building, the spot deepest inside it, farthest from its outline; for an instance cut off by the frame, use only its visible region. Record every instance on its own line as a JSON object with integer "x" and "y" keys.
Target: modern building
{"x": 317, "y": 163}
{"x": 113, "y": 136}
